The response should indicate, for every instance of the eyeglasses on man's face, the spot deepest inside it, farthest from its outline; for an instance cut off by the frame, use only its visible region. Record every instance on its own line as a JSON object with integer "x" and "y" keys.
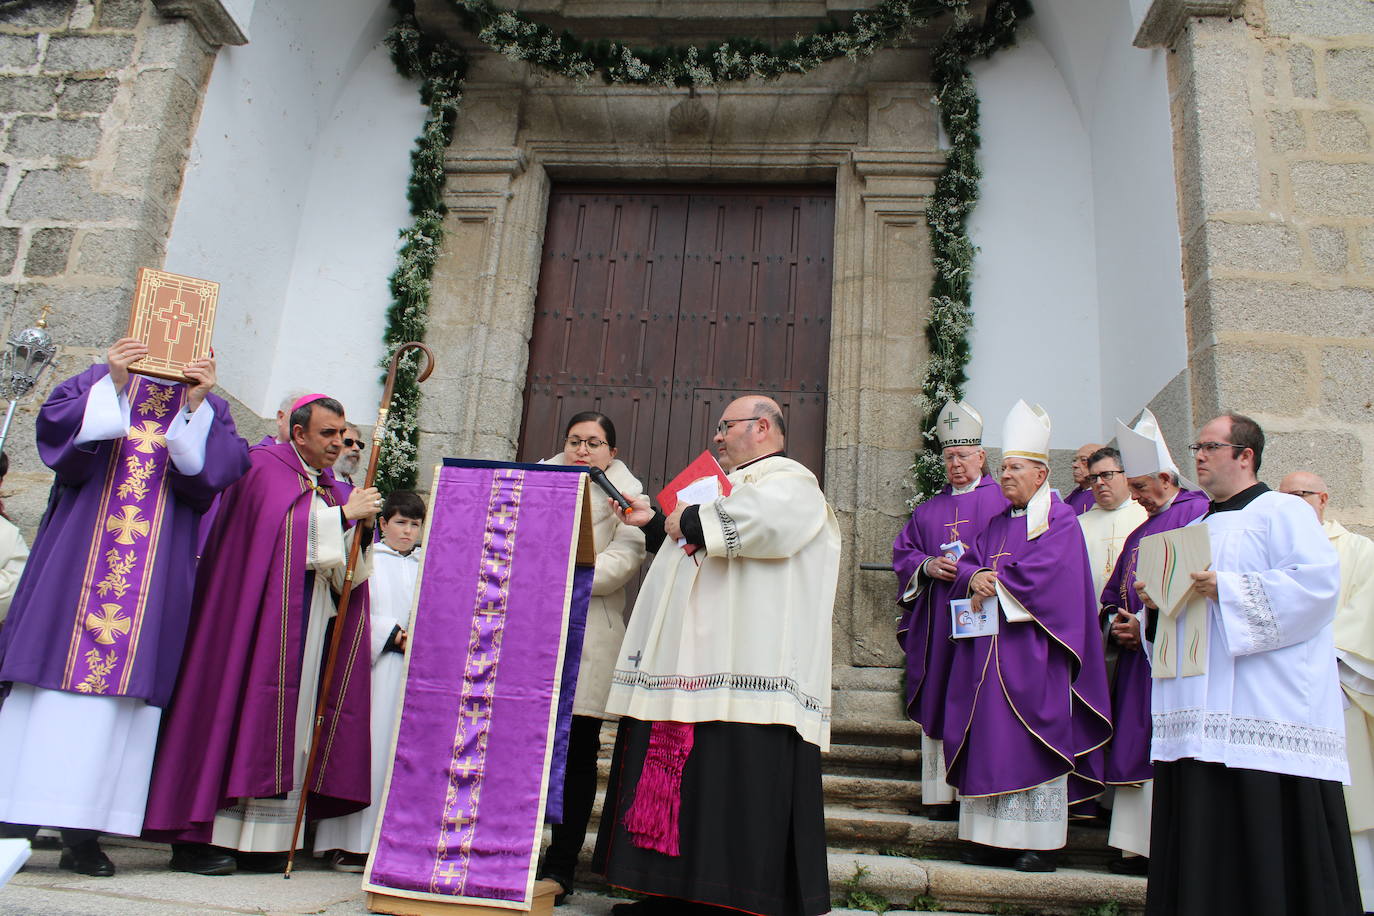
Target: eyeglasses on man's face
{"x": 575, "y": 443}
{"x": 723, "y": 427}
{"x": 1303, "y": 494}
{"x": 1210, "y": 447}
{"x": 1103, "y": 476}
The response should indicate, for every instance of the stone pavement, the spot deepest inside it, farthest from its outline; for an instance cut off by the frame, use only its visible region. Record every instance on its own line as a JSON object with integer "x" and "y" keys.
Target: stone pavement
{"x": 145, "y": 887}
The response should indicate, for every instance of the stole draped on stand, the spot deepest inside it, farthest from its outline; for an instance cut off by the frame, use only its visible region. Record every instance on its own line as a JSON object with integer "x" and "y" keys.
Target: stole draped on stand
{"x": 491, "y": 667}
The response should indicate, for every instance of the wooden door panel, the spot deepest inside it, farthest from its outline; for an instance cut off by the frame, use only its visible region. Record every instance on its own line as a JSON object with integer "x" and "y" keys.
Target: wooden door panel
{"x": 659, "y": 305}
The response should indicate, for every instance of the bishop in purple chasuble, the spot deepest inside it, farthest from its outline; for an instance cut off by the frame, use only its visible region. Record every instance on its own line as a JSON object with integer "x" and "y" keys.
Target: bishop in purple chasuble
{"x": 502, "y": 599}
{"x": 1128, "y": 753}
{"x": 94, "y": 637}
{"x": 104, "y": 602}
{"x": 1030, "y": 704}
{"x": 923, "y": 630}
{"x": 230, "y": 732}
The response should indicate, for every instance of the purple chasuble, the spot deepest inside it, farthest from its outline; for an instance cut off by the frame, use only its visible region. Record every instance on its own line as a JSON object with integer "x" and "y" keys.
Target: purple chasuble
{"x": 1030, "y": 704}
{"x": 1080, "y": 500}
{"x": 499, "y": 599}
{"x": 230, "y": 731}
{"x": 1128, "y": 754}
{"x": 923, "y": 629}
{"x": 105, "y": 599}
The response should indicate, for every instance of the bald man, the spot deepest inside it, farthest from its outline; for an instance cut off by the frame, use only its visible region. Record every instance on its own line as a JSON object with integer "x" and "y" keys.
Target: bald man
{"x": 1081, "y": 499}
{"x": 723, "y": 688}
{"x": 1355, "y": 663}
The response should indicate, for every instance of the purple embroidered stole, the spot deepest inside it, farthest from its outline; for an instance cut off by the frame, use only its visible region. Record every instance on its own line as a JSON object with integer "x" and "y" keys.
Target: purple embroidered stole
{"x": 499, "y": 594}
{"x": 114, "y": 592}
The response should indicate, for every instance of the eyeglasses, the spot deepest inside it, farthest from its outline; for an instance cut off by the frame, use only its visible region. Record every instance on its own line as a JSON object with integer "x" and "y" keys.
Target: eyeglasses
{"x": 1104, "y": 476}
{"x": 723, "y": 426}
{"x": 575, "y": 443}
{"x": 955, "y": 457}
{"x": 1303, "y": 494}
{"x": 352, "y": 443}
{"x": 1213, "y": 446}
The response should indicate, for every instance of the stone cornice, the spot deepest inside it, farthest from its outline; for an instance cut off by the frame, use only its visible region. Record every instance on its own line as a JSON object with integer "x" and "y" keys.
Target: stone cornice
{"x": 1165, "y": 19}
{"x": 211, "y": 19}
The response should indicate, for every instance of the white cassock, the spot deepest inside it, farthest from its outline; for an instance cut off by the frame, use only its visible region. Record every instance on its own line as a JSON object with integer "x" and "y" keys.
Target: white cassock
{"x": 1271, "y": 628}
{"x": 1355, "y": 662}
{"x": 265, "y": 824}
{"x": 1105, "y": 530}
{"x": 13, "y": 554}
{"x": 77, "y": 760}
{"x": 391, "y": 591}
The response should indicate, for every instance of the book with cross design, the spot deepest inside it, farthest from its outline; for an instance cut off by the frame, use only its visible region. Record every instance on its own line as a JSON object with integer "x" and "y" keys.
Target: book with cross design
{"x": 174, "y": 316}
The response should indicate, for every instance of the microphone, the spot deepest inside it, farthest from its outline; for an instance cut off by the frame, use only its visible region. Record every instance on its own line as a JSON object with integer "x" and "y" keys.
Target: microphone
{"x": 604, "y": 482}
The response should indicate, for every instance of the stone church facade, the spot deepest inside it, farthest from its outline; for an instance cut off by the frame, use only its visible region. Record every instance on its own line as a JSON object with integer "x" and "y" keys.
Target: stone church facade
{"x": 1271, "y": 113}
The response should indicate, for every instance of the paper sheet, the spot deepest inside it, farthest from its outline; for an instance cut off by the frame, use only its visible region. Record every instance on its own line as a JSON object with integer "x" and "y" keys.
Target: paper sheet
{"x": 1163, "y": 565}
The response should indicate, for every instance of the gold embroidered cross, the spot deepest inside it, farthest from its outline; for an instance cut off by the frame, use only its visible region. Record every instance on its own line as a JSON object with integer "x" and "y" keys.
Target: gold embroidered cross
{"x": 490, "y": 610}
{"x": 480, "y": 664}
{"x": 474, "y": 715}
{"x": 107, "y": 623}
{"x": 466, "y": 769}
{"x": 995, "y": 556}
{"x": 456, "y": 822}
{"x": 953, "y": 533}
{"x": 147, "y": 437}
{"x": 450, "y": 871}
{"x": 128, "y": 523}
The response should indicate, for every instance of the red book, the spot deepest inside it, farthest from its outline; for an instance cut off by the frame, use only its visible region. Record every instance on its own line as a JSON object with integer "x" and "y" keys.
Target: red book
{"x": 700, "y": 482}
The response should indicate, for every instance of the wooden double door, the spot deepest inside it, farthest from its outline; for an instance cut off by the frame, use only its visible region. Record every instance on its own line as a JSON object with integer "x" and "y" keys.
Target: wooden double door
{"x": 658, "y": 305}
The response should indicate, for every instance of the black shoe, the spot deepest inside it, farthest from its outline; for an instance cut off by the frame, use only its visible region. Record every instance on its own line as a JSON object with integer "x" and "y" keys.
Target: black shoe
{"x": 87, "y": 858}
{"x": 945, "y": 812}
{"x": 564, "y": 882}
{"x": 977, "y": 854}
{"x": 202, "y": 859}
{"x": 1036, "y": 860}
{"x": 265, "y": 863}
{"x": 1132, "y": 865}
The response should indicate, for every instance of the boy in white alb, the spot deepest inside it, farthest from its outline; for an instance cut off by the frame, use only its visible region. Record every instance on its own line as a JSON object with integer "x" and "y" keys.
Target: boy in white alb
{"x": 395, "y": 570}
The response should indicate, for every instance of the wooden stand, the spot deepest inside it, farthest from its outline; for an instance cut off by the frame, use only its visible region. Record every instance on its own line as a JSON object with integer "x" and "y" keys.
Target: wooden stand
{"x": 542, "y": 905}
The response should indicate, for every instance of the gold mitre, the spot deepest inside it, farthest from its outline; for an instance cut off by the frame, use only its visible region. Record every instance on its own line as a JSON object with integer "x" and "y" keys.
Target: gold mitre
{"x": 959, "y": 424}
{"x": 1143, "y": 451}
{"x": 1026, "y": 433}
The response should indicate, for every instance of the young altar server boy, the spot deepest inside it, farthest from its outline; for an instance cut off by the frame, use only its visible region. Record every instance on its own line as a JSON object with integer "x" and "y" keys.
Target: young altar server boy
{"x": 395, "y": 571}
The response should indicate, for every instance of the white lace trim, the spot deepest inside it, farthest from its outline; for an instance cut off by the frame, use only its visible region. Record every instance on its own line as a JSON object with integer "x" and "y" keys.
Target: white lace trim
{"x": 1197, "y": 726}
{"x": 1263, "y": 626}
{"x": 1040, "y": 805}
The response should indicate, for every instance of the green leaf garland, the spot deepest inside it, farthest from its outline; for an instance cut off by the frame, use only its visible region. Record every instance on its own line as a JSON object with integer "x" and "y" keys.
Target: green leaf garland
{"x": 440, "y": 68}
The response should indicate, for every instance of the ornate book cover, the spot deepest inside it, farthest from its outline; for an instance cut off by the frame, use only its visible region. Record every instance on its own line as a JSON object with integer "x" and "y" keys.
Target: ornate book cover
{"x": 174, "y": 316}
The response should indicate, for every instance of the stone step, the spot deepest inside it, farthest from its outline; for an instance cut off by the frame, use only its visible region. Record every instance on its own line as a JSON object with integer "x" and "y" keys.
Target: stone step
{"x": 895, "y": 762}
{"x": 897, "y": 795}
{"x": 902, "y": 884}
{"x": 911, "y": 835}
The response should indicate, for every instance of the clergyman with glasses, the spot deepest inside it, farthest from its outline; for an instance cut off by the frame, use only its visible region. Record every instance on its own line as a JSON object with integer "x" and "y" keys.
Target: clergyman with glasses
{"x": 723, "y": 689}
{"x": 925, "y": 557}
{"x": 1113, "y": 516}
{"x": 1249, "y": 756}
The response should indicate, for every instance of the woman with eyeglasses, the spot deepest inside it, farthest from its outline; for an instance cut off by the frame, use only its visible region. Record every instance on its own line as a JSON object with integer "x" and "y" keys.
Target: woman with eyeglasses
{"x": 589, "y": 441}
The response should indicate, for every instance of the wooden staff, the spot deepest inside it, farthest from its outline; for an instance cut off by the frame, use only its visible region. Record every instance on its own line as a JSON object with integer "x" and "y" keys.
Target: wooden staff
{"x": 337, "y": 640}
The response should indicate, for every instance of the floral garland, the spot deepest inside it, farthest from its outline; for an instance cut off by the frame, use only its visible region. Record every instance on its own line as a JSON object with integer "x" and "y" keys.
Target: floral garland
{"x": 440, "y": 68}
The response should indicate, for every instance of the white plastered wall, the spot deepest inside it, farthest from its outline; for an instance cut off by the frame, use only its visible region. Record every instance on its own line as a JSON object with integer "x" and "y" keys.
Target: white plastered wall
{"x": 293, "y": 199}
{"x": 1078, "y": 294}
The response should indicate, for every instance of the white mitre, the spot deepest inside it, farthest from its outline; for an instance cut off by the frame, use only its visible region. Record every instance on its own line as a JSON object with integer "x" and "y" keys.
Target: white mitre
{"x": 1026, "y": 434}
{"x": 959, "y": 424}
{"x": 1143, "y": 451}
